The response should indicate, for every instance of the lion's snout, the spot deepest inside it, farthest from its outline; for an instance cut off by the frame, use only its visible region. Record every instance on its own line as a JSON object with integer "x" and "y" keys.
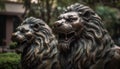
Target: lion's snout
{"x": 63, "y": 27}
{"x": 57, "y": 24}
{"x": 17, "y": 37}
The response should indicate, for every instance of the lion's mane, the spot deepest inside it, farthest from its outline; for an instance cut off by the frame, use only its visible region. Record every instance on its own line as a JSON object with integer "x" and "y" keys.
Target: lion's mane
{"x": 93, "y": 47}
{"x": 41, "y": 53}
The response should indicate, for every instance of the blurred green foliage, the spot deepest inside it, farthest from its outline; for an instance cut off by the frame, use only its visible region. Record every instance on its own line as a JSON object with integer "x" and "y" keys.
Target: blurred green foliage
{"x": 111, "y": 18}
{"x": 9, "y": 61}
{"x": 13, "y": 45}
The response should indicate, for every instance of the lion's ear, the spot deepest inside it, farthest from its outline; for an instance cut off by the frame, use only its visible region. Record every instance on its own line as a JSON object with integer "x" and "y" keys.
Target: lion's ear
{"x": 86, "y": 15}
{"x": 36, "y": 27}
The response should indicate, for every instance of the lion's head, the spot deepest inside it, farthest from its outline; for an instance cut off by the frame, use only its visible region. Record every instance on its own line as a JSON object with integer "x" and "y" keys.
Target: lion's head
{"x": 73, "y": 24}
{"x": 30, "y": 30}
{"x": 82, "y": 37}
{"x": 38, "y": 43}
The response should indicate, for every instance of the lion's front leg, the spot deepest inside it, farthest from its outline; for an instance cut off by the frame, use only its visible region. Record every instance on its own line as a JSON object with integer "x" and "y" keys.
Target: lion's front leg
{"x": 114, "y": 63}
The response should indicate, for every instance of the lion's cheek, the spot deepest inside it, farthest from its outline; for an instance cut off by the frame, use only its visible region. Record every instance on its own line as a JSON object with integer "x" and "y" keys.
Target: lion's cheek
{"x": 77, "y": 26}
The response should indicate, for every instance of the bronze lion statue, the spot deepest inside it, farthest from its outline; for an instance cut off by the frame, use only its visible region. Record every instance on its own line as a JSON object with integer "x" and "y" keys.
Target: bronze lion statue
{"x": 83, "y": 41}
{"x": 38, "y": 43}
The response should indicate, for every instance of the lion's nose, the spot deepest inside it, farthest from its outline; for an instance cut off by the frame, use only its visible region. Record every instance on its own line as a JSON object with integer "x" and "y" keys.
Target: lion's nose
{"x": 13, "y": 36}
{"x": 57, "y": 24}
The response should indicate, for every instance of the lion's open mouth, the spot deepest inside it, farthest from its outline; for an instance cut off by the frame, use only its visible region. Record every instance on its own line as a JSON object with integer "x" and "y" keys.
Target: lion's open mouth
{"x": 23, "y": 42}
{"x": 66, "y": 37}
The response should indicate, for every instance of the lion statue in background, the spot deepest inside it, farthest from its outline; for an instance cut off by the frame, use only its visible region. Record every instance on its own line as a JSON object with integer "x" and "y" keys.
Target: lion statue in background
{"x": 38, "y": 43}
{"x": 83, "y": 41}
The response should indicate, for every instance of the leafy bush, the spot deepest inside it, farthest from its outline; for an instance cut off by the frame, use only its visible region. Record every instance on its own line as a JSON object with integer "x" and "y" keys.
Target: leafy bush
{"x": 9, "y": 61}
{"x": 13, "y": 45}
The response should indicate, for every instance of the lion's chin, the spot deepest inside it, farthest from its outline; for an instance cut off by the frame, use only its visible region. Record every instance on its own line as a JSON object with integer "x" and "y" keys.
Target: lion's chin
{"x": 63, "y": 47}
{"x": 64, "y": 41}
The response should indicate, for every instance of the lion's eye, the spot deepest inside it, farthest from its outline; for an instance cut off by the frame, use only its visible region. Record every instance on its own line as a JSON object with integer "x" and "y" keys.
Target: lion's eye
{"x": 36, "y": 26}
{"x": 71, "y": 19}
{"x": 74, "y": 19}
{"x": 24, "y": 30}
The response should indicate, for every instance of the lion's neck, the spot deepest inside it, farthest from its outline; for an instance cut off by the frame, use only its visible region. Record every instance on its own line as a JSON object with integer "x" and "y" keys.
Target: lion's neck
{"x": 37, "y": 53}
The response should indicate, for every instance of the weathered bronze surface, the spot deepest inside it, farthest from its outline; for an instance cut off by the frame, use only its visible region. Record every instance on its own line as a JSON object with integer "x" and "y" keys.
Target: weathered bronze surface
{"x": 38, "y": 43}
{"x": 83, "y": 41}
